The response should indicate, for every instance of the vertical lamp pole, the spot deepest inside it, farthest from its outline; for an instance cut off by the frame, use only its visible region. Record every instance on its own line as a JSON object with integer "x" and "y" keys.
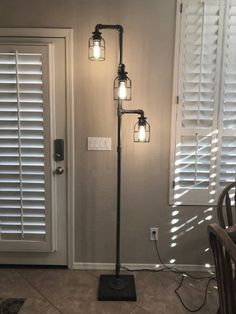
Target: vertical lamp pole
{"x": 118, "y": 287}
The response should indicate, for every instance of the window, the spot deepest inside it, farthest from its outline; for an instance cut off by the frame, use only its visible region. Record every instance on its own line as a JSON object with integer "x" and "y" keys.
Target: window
{"x": 203, "y": 151}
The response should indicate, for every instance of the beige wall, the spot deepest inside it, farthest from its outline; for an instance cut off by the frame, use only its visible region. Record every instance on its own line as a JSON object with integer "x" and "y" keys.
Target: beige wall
{"x": 149, "y": 46}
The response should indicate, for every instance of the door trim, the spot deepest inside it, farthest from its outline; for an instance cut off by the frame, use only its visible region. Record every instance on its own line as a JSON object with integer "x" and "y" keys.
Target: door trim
{"x": 67, "y": 34}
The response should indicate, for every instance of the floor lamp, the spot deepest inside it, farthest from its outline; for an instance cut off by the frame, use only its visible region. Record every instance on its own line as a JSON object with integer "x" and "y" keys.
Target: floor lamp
{"x": 118, "y": 287}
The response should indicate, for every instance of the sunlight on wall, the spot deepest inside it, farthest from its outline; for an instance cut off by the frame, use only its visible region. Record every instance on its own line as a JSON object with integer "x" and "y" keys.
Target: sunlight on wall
{"x": 184, "y": 166}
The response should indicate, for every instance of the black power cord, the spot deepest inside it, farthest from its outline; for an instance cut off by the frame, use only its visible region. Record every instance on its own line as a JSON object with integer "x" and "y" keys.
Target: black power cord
{"x": 184, "y": 274}
{"x": 205, "y": 295}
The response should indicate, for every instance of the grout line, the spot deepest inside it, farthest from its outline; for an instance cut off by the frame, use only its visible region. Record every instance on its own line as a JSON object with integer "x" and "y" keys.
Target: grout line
{"x": 44, "y": 296}
{"x": 139, "y": 307}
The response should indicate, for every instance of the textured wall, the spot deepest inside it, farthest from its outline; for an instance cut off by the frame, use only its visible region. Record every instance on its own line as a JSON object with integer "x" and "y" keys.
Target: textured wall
{"x": 149, "y": 48}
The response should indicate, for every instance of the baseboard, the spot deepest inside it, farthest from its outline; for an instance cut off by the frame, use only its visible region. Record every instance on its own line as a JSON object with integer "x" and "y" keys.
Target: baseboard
{"x": 111, "y": 266}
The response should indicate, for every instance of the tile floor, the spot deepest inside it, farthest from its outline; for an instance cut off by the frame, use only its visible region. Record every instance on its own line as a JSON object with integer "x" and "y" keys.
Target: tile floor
{"x": 53, "y": 291}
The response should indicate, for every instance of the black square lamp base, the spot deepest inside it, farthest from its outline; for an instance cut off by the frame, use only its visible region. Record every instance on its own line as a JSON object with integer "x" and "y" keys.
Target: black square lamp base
{"x": 113, "y": 288}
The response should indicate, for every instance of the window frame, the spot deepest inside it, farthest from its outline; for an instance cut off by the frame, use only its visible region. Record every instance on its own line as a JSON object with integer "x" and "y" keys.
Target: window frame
{"x": 177, "y": 112}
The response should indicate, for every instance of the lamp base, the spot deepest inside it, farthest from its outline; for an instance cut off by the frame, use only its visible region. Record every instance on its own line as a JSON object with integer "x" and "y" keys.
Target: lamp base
{"x": 113, "y": 288}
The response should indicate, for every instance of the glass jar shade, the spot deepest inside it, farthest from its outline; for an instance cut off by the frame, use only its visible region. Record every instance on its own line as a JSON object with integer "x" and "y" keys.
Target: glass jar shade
{"x": 122, "y": 88}
{"x": 142, "y": 131}
{"x": 96, "y": 48}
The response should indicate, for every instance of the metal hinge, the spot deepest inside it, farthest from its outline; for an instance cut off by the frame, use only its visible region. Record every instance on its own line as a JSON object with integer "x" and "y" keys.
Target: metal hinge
{"x": 177, "y": 100}
{"x": 181, "y": 8}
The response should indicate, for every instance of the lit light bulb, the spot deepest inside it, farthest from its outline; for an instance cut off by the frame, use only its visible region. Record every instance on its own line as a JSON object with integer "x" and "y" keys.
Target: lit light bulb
{"x": 96, "y": 49}
{"x": 142, "y": 133}
{"x": 122, "y": 91}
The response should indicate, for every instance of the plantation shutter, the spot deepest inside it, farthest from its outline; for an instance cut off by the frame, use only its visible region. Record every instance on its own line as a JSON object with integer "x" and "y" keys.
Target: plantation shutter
{"x": 197, "y": 95}
{"x": 227, "y": 116}
{"x": 25, "y": 188}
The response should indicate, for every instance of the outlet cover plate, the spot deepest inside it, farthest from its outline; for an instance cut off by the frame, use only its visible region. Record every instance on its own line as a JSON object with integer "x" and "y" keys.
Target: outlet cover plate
{"x": 99, "y": 143}
{"x": 152, "y": 237}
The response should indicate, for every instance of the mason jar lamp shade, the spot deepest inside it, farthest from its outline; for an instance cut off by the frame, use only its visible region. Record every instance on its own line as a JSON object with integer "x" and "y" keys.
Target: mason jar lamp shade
{"x": 122, "y": 85}
{"x": 96, "y": 47}
{"x": 142, "y": 131}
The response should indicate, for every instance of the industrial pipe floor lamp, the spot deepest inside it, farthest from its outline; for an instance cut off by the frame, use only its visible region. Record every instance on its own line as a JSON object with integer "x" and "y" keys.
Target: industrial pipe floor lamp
{"x": 118, "y": 287}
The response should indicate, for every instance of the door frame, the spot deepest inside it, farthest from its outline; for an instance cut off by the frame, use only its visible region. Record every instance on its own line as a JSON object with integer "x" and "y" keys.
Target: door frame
{"x": 67, "y": 35}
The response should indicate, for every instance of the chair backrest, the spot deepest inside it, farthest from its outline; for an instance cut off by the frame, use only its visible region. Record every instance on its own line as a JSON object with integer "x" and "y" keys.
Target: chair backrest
{"x": 225, "y": 206}
{"x": 224, "y": 252}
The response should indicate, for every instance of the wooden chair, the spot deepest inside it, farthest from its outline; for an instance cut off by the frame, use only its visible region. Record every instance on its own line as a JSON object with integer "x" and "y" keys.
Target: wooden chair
{"x": 225, "y": 208}
{"x": 224, "y": 252}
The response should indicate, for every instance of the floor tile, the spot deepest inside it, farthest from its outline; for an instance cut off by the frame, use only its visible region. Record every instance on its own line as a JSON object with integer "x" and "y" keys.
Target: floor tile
{"x": 12, "y": 285}
{"x": 73, "y": 291}
{"x": 57, "y": 284}
{"x": 140, "y": 310}
{"x": 72, "y": 305}
{"x": 37, "y": 306}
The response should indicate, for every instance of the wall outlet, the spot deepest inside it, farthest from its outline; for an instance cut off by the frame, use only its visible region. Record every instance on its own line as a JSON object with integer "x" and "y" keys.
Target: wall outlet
{"x": 154, "y": 236}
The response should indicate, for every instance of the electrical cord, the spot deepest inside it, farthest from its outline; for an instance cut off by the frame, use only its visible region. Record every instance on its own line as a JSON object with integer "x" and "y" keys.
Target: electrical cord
{"x": 174, "y": 269}
{"x": 143, "y": 269}
{"x": 205, "y": 296}
{"x": 184, "y": 274}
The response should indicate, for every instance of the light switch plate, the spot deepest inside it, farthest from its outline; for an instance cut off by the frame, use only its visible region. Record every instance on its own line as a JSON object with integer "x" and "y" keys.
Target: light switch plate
{"x": 99, "y": 143}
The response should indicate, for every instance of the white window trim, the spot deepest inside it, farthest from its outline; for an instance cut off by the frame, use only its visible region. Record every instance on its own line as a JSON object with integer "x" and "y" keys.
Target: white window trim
{"x": 175, "y": 98}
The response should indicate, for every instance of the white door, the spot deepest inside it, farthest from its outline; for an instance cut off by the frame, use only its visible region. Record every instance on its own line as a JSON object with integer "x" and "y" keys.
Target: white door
{"x": 33, "y": 214}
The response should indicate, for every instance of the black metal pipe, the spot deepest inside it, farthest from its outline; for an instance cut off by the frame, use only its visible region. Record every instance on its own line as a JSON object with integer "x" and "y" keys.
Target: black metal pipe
{"x": 120, "y": 29}
{"x": 121, "y": 45}
{"x": 118, "y": 212}
{"x": 134, "y": 111}
{"x": 120, "y": 112}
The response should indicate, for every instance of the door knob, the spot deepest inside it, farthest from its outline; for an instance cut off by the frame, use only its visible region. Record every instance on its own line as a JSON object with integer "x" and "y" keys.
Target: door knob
{"x": 59, "y": 170}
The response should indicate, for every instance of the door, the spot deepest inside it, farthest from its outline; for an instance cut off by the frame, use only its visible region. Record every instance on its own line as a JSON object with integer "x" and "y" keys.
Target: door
{"x": 33, "y": 200}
